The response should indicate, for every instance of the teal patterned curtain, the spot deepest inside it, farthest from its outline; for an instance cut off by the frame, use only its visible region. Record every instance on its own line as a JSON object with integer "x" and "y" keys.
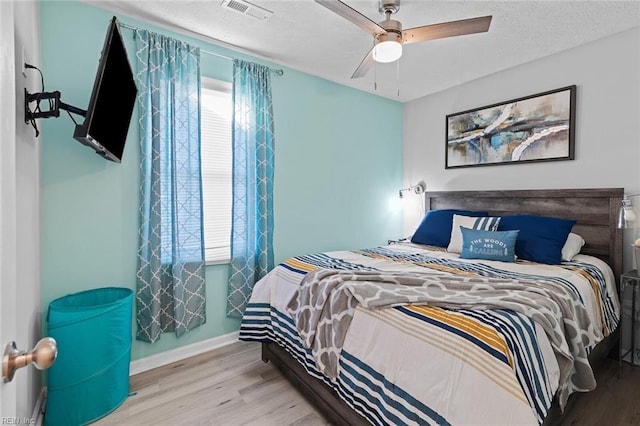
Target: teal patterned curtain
{"x": 253, "y": 160}
{"x": 171, "y": 286}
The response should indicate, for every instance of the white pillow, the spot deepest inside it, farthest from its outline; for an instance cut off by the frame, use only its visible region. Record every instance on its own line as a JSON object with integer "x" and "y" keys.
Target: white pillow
{"x": 572, "y": 246}
{"x": 482, "y": 223}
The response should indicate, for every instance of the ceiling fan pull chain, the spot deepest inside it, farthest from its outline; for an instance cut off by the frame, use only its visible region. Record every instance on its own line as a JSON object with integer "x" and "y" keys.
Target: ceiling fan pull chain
{"x": 398, "y": 76}
{"x": 375, "y": 76}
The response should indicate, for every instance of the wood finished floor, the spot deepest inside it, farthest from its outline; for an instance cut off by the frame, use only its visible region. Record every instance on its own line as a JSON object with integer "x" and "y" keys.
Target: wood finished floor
{"x": 232, "y": 386}
{"x": 228, "y": 386}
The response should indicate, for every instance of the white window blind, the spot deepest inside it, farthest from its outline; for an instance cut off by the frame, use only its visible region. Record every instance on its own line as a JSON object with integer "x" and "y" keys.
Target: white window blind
{"x": 215, "y": 125}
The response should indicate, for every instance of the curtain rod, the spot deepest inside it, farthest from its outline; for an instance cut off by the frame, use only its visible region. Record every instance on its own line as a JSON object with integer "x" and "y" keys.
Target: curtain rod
{"x": 131, "y": 27}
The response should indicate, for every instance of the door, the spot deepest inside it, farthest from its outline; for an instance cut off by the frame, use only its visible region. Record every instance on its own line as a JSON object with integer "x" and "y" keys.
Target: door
{"x": 20, "y": 307}
{"x": 8, "y": 221}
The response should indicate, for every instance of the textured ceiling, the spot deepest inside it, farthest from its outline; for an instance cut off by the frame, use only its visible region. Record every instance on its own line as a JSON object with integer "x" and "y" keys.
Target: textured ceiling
{"x": 305, "y": 36}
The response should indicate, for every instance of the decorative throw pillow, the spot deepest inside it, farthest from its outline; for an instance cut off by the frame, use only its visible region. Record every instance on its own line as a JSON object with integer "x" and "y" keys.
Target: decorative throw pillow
{"x": 572, "y": 246}
{"x": 484, "y": 223}
{"x": 489, "y": 245}
{"x": 540, "y": 239}
{"x": 435, "y": 228}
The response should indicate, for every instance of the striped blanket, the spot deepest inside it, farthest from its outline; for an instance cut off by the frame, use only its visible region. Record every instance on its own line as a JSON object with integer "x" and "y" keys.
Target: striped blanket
{"x": 415, "y": 364}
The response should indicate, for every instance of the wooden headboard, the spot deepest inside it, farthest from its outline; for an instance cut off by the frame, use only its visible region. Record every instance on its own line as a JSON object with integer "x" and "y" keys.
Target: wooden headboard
{"x": 595, "y": 210}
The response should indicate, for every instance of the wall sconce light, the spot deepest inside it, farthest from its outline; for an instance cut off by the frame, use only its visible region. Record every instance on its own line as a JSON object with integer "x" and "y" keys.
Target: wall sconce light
{"x": 418, "y": 189}
{"x": 626, "y": 214}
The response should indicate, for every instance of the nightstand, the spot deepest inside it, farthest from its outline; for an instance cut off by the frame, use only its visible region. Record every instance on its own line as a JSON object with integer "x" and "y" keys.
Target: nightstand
{"x": 627, "y": 279}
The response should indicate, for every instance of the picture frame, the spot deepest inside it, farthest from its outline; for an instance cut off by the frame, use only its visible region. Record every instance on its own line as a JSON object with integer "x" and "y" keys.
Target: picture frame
{"x": 529, "y": 129}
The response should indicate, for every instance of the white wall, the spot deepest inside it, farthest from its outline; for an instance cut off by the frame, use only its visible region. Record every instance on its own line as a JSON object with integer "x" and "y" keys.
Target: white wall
{"x": 607, "y": 75}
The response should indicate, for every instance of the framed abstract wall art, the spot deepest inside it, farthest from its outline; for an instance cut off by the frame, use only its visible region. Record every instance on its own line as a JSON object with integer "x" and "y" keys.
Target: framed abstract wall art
{"x": 539, "y": 127}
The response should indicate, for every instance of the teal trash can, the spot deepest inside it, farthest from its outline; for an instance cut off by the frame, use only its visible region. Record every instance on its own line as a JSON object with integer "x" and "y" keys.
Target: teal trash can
{"x": 90, "y": 377}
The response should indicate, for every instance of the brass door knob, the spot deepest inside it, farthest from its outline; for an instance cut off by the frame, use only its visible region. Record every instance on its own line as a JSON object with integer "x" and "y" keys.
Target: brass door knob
{"x": 42, "y": 356}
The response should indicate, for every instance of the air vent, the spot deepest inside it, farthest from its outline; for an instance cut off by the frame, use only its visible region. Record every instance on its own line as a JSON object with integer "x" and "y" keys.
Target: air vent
{"x": 247, "y": 8}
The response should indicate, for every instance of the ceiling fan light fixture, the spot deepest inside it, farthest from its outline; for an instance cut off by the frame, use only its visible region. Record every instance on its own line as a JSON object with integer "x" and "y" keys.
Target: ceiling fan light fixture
{"x": 388, "y": 35}
{"x": 387, "y": 51}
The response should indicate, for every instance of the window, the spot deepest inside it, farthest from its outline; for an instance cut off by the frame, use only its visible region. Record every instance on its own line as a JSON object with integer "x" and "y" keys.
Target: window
{"x": 215, "y": 126}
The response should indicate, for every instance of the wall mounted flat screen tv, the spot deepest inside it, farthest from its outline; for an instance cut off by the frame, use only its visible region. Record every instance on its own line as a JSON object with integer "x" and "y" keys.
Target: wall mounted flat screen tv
{"x": 111, "y": 104}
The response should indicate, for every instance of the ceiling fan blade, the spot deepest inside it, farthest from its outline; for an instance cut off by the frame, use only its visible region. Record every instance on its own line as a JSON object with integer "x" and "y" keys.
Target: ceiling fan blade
{"x": 447, "y": 29}
{"x": 364, "y": 66}
{"x": 352, "y": 15}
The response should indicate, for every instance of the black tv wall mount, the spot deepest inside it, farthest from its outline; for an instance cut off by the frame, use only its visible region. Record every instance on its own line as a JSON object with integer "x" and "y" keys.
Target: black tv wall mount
{"x": 50, "y": 98}
{"x": 55, "y": 105}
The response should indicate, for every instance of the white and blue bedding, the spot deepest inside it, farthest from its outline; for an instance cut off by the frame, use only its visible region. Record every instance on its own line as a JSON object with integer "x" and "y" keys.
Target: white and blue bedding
{"x": 416, "y": 364}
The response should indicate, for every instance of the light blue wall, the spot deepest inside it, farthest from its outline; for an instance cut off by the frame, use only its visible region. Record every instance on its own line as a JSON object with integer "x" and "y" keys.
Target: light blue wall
{"x": 338, "y": 166}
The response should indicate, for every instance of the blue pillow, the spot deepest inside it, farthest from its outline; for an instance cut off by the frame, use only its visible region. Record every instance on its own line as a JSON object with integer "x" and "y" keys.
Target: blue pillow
{"x": 541, "y": 238}
{"x": 435, "y": 228}
{"x": 489, "y": 245}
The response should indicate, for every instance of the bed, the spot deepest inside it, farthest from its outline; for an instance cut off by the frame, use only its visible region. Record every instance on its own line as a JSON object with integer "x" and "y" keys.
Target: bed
{"x": 407, "y": 363}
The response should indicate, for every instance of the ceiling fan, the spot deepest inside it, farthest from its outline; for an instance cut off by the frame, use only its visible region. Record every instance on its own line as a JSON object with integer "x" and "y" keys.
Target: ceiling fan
{"x": 389, "y": 37}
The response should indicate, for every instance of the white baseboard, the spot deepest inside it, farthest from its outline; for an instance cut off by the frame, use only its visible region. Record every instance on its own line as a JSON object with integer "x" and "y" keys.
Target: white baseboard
{"x": 177, "y": 354}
